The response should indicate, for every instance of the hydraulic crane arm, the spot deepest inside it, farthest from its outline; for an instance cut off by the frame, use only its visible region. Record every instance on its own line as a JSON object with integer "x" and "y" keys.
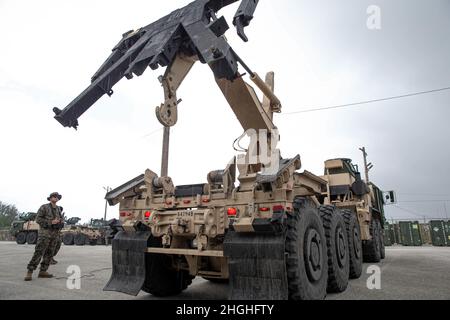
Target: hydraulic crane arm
{"x": 245, "y": 104}
{"x": 193, "y": 30}
{"x": 167, "y": 113}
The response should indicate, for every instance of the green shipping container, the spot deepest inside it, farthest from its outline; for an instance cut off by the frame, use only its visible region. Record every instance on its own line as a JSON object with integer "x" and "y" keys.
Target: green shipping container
{"x": 397, "y": 236}
{"x": 447, "y": 232}
{"x": 387, "y": 235}
{"x": 417, "y": 238}
{"x": 405, "y": 233}
{"x": 410, "y": 233}
{"x": 438, "y": 235}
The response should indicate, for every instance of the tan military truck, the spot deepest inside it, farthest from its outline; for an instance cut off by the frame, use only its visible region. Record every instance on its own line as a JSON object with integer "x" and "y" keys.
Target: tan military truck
{"x": 347, "y": 191}
{"x": 260, "y": 223}
{"x": 96, "y": 232}
{"x": 80, "y": 235}
{"x": 25, "y": 229}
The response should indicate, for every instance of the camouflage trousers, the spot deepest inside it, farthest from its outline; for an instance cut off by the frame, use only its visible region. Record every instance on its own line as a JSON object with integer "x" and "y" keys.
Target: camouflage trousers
{"x": 58, "y": 244}
{"x": 44, "y": 250}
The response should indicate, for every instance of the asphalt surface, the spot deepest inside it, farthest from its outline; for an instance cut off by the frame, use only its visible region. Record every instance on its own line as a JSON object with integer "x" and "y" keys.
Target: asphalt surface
{"x": 406, "y": 273}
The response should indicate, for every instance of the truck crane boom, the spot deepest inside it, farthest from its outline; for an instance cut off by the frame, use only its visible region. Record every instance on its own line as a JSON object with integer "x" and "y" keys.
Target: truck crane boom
{"x": 168, "y": 234}
{"x": 193, "y": 30}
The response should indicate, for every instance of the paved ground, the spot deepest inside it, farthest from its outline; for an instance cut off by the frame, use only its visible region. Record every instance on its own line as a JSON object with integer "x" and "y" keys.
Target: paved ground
{"x": 407, "y": 273}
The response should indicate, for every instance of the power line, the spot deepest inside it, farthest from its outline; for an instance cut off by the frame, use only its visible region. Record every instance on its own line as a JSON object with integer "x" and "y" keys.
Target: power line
{"x": 366, "y": 102}
{"x": 345, "y": 105}
{"x": 423, "y": 201}
{"x": 424, "y": 194}
{"x": 409, "y": 219}
{"x": 152, "y": 133}
{"x": 409, "y": 211}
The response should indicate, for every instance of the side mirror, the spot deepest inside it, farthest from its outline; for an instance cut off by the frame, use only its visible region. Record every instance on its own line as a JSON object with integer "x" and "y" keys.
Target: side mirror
{"x": 389, "y": 197}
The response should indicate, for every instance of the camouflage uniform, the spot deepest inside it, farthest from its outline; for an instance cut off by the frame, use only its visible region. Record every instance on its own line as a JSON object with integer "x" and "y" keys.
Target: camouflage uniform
{"x": 47, "y": 239}
{"x": 59, "y": 241}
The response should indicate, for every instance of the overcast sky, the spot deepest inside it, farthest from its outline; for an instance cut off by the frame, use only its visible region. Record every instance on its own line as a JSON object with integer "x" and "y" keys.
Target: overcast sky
{"x": 323, "y": 55}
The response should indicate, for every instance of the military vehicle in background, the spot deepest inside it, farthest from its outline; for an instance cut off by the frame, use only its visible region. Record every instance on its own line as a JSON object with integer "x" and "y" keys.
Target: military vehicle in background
{"x": 95, "y": 232}
{"x": 25, "y": 229}
{"x": 103, "y": 227}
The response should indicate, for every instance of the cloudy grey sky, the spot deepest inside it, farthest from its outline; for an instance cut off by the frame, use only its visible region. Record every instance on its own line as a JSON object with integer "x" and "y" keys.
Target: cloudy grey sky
{"x": 323, "y": 55}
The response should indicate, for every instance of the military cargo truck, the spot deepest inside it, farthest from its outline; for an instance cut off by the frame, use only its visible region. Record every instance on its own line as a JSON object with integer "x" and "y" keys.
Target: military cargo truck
{"x": 97, "y": 231}
{"x": 25, "y": 229}
{"x": 80, "y": 235}
{"x": 268, "y": 228}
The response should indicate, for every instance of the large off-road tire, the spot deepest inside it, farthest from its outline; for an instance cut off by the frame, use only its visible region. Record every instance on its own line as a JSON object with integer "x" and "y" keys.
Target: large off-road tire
{"x": 21, "y": 238}
{"x": 337, "y": 246}
{"x": 93, "y": 242}
{"x": 80, "y": 239}
{"x": 382, "y": 246}
{"x": 32, "y": 237}
{"x": 109, "y": 235}
{"x": 354, "y": 243}
{"x": 216, "y": 280}
{"x": 68, "y": 239}
{"x": 306, "y": 261}
{"x": 161, "y": 280}
{"x": 372, "y": 248}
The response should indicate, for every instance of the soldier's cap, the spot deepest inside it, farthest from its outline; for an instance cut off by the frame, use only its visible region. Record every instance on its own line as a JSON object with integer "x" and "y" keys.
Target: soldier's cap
{"x": 54, "y": 194}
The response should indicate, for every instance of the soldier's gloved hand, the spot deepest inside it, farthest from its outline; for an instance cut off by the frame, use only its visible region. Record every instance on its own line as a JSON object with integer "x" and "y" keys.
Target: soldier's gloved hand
{"x": 55, "y": 221}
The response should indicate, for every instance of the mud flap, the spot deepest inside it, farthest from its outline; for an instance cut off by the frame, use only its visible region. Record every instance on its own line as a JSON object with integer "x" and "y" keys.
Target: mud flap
{"x": 128, "y": 262}
{"x": 257, "y": 266}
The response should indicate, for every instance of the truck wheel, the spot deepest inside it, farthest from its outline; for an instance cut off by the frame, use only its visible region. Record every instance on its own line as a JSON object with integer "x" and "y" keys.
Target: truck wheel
{"x": 80, "y": 239}
{"x": 32, "y": 237}
{"x": 68, "y": 239}
{"x": 337, "y": 246}
{"x": 382, "y": 246}
{"x": 354, "y": 243}
{"x": 371, "y": 248}
{"x": 21, "y": 238}
{"x": 93, "y": 242}
{"x": 306, "y": 261}
{"x": 161, "y": 280}
{"x": 216, "y": 280}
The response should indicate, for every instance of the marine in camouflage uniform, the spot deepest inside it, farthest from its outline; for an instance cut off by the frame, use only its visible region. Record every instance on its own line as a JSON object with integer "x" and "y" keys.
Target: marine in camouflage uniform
{"x": 59, "y": 241}
{"x": 49, "y": 220}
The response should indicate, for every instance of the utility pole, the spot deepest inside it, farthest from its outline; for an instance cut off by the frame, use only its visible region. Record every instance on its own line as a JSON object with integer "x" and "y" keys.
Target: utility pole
{"x": 445, "y": 209}
{"x": 367, "y": 166}
{"x": 107, "y": 189}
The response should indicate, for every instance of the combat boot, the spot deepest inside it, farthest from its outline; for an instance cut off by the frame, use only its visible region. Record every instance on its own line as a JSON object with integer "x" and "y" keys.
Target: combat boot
{"x": 44, "y": 274}
{"x": 29, "y": 276}
{"x": 53, "y": 261}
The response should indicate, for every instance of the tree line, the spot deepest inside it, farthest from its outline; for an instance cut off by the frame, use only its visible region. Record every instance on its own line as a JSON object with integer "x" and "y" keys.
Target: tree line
{"x": 8, "y": 213}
